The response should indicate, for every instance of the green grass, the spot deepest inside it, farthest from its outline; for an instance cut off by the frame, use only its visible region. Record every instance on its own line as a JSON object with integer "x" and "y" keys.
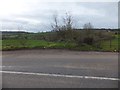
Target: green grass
{"x": 14, "y": 44}
{"x": 0, "y": 44}
{"x": 30, "y": 44}
{"x": 106, "y": 46}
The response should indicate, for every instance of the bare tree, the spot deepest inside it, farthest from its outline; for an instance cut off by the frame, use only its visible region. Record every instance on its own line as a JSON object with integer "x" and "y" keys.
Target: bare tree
{"x": 89, "y": 34}
{"x": 68, "y": 21}
{"x": 68, "y": 26}
{"x": 88, "y": 26}
{"x": 55, "y": 26}
{"x": 64, "y": 31}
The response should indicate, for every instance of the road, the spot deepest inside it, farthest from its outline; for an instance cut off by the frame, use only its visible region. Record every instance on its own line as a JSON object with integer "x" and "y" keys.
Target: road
{"x": 59, "y": 69}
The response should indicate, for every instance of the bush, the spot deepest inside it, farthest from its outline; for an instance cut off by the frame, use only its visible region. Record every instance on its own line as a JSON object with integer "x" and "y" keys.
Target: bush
{"x": 88, "y": 40}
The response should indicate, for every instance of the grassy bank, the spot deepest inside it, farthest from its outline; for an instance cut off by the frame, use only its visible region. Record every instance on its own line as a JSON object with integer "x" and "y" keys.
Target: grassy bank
{"x": 15, "y": 44}
{"x": 31, "y": 44}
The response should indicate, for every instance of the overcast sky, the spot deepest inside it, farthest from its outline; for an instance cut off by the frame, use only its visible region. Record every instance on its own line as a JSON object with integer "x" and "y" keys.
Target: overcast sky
{"x": 36, "y": 15}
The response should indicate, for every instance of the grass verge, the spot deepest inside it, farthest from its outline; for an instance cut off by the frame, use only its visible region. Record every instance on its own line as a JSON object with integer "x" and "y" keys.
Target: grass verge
{"x": 16, "y": 44}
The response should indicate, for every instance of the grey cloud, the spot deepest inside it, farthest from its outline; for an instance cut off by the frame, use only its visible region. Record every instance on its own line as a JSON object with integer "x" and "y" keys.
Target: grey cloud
{"x": 100, "y": 14}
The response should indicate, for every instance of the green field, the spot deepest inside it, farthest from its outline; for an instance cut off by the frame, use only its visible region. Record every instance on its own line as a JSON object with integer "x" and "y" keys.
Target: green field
{"x": 31, "y": 44}
{"x": 14, "y": 44}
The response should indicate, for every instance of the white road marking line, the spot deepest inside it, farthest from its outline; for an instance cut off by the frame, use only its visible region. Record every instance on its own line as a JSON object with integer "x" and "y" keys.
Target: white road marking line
{"x": 6, "y": 66}
{"x": 58, "y": 75}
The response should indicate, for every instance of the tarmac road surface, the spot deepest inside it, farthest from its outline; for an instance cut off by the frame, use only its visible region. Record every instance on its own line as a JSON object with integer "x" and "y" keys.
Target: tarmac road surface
{"x": 59, "y": 69}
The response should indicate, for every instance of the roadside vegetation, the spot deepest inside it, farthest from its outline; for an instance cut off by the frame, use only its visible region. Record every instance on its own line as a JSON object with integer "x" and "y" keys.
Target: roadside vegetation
{"x": 64, "y": 36}
{"x": 36, "y": 41}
